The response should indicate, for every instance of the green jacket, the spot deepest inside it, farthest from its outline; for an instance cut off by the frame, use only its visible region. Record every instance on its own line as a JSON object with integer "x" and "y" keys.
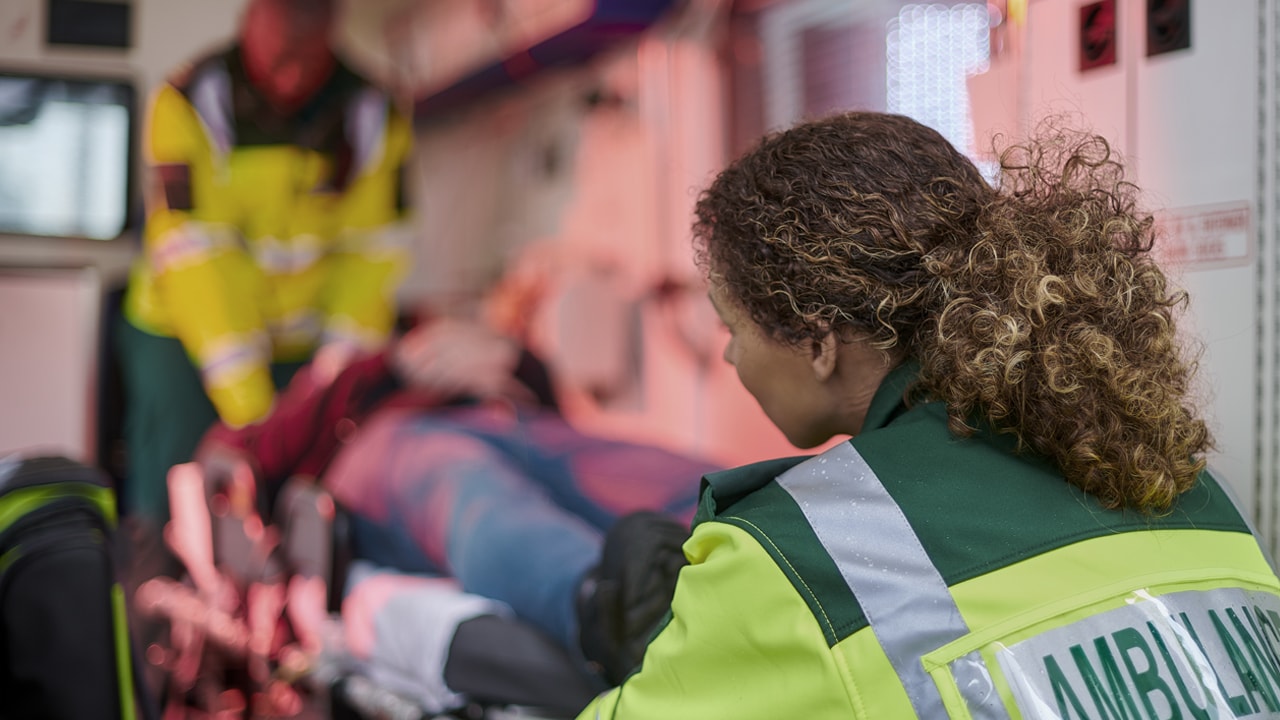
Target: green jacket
{"x": 910, "y": 573}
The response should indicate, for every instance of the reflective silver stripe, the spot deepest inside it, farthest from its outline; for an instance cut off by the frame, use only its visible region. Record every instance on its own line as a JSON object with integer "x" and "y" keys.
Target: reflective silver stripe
{"x": 232, "y": 353}
{"x": 211, "y": 97}
{"x": 280, "y": 257}
{"x": 186, "y": 245}
{"x": 906, "y": 601}
{"x": 367, "y": 128}
{"x": 978, "y": 689}
{"x": 299, "y": 326}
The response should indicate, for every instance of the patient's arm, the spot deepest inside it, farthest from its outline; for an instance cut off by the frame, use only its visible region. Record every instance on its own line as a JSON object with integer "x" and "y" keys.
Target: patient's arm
{"x": 467, "y": 360}
{"x": 431, "y": 366}
{"x": 457, "y": 358}
{"x": 310, "y": 420}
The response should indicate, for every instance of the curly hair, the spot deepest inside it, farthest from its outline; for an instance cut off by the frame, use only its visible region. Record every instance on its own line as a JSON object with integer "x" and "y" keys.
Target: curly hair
{"x": 1034, "y": 306}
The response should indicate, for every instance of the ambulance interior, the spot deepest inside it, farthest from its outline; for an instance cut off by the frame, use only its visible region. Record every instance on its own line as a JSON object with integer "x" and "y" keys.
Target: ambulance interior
{"x": 561, "y": 144}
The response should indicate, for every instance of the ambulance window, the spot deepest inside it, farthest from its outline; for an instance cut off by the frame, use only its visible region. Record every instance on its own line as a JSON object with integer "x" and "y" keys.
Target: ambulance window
{"x": 931, "y": 51}
{"x": 65, "y": 146}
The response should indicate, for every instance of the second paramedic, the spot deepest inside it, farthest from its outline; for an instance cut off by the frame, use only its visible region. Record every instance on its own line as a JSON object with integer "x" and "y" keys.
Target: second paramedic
{"x": 273, "y": 231}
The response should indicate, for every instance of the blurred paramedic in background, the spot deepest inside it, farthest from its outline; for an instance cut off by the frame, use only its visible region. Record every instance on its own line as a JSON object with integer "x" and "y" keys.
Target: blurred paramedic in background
{"x": 1023, "y": 503}
{"x": 273, "y": 210}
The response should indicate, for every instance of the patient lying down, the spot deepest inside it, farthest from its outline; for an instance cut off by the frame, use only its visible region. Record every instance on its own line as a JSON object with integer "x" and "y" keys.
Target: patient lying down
{"x": 474, "y": 508}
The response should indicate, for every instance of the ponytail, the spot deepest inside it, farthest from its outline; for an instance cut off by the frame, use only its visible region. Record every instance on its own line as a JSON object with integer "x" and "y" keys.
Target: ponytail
{"x": 1054, "y": 323}
{"x": 1034, "y": 308}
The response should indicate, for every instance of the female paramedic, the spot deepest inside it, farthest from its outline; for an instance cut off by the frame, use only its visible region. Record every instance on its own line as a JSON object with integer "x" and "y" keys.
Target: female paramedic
{"x": 1021, "y": 525}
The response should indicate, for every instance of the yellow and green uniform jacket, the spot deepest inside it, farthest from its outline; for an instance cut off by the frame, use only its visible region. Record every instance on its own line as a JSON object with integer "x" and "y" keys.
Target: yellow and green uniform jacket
{"x": 909, "y": 573}
{"x": 267, "y": 235}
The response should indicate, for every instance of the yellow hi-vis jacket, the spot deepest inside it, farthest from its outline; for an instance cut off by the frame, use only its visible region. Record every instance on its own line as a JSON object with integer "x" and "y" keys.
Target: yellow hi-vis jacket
{"x": 912, "y": 574}
{"x": 266, "y": 235}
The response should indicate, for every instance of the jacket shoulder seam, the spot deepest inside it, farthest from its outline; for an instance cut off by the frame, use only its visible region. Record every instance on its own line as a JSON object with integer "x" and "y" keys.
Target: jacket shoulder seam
{"x": 762, "y": 535}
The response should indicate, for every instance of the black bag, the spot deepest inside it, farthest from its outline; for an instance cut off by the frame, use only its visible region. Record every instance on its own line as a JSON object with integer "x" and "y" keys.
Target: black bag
{"x": 65, "y": 648}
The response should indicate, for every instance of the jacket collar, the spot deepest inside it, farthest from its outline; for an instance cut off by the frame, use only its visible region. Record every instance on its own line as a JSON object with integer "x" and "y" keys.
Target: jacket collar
{"x": 890, "y": 399}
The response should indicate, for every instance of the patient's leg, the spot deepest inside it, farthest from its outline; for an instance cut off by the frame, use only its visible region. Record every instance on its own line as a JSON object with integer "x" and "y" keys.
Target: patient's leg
{"x": 608, "y": 478}
{"x": 599, "y": 479}
{"x": 473, "y": 513}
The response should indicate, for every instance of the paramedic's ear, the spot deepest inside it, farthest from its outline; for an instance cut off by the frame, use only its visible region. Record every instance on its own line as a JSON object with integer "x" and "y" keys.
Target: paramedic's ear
{"x": 825, "y": 353}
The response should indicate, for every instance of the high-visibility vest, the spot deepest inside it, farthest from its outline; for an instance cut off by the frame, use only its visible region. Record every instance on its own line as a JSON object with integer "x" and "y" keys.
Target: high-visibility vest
{"x": 266, "y": 236}
{"x": 909, "y": 573}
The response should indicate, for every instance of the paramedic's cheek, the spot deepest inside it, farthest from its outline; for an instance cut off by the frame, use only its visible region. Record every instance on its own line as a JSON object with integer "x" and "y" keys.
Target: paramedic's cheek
{"x": 287, "y": 79}
{"x": 293, "y": 78}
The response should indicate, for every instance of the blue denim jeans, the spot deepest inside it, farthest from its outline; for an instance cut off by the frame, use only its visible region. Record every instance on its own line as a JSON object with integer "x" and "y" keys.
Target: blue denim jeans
{"x": 515, "y": 507}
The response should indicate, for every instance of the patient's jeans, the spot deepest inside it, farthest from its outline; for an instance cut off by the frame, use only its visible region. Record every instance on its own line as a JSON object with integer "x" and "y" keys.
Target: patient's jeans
{"x": 514, "y": 507}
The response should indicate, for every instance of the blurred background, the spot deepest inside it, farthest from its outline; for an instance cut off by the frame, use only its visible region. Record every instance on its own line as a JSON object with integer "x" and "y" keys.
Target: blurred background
{"x": 561, "y": 144}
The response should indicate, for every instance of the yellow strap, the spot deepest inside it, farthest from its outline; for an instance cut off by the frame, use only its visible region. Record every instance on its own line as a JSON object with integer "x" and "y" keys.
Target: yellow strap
{"x": 124, "y": 661}
{"x": 18, "y": 503}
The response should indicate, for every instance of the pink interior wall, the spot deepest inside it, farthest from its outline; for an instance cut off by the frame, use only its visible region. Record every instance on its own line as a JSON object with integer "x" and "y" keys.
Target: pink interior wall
{"x": 610, "y": 227}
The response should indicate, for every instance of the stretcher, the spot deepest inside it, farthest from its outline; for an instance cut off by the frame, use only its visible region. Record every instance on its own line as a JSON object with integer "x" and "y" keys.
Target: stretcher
{"x": 261, "y": 622}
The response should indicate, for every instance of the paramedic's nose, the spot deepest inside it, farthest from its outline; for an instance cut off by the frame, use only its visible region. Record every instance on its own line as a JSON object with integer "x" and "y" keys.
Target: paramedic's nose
{"x": 286, "y": 47}
{"x": 287, "y": 76}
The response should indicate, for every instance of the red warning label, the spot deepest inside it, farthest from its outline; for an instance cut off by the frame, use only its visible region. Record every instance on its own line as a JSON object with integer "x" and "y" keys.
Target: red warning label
{"x": 1205, "y": 236}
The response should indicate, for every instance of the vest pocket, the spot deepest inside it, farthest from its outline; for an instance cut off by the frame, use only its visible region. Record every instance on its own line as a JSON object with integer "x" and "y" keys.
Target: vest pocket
{"x": 1190, "y": 647}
